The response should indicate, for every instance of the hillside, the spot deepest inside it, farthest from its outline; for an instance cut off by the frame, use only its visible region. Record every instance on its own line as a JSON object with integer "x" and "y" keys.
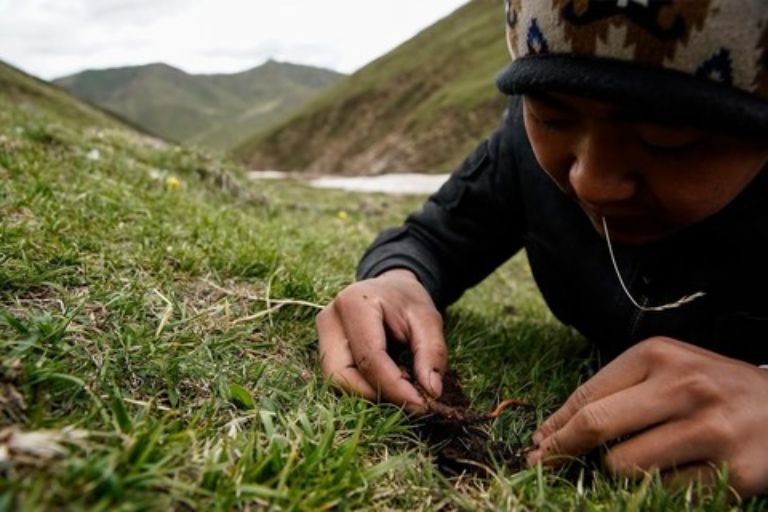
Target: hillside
{"x": 217, "y": 111}
{"x": 421, "y": 107}
{"x": 28, "y": 92}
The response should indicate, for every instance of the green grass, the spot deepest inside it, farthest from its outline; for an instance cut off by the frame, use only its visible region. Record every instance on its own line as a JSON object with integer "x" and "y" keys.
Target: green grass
{"x": 142, "y": 329}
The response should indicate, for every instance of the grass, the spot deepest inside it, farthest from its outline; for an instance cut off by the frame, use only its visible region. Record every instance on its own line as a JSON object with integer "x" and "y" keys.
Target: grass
{"x": 157, "y": 335}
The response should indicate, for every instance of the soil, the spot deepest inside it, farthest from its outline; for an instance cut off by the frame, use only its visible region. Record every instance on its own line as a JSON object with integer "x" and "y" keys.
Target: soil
{"x": 460, "y": 439}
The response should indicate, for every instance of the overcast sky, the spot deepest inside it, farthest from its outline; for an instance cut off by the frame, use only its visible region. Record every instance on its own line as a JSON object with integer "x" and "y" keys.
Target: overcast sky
{"x": 52, "y": 38}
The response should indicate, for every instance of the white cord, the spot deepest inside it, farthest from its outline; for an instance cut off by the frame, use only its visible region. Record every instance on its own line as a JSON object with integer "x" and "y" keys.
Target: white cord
{"x": 680, "y": 302}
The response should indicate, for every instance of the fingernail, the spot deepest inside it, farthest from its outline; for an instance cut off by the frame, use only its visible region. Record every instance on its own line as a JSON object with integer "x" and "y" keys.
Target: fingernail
{"x": 435, "y": 384}
{"x": 416, "y": 407}
{"x": 537, "y": 438}
{"x": 416, "y": 399}
{"x": 534, "y": 457}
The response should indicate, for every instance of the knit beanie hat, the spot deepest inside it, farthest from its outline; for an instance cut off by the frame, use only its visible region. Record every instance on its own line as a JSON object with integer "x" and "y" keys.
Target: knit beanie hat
{"x": 702, "y": 62}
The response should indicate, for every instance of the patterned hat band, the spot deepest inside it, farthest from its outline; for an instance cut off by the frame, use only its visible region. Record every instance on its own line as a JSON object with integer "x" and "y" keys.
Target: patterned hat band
{"x": 701, "y": 61}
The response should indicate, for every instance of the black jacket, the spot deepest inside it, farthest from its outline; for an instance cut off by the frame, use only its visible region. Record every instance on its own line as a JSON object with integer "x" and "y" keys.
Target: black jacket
{"x": 500, "y": 200}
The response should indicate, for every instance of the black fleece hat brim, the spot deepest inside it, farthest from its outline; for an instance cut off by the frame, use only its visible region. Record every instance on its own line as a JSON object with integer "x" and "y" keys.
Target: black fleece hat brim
{"x": 659, "y": 93}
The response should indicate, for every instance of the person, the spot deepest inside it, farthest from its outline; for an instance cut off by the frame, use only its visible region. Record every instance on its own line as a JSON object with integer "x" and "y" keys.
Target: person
{"x": 630, "y": 166}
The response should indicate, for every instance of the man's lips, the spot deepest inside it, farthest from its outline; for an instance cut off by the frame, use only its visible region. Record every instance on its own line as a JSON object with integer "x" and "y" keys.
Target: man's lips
{"x": 629, "y": 226}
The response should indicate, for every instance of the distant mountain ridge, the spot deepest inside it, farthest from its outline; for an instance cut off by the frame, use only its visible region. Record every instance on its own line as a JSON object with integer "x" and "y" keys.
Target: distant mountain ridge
{"x": 421, "y": 107}
{"x": 217, "y": 110}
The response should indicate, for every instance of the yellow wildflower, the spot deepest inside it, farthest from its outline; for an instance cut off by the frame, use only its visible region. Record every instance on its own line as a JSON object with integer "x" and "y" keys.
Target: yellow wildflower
{"x": 172, "y": 183}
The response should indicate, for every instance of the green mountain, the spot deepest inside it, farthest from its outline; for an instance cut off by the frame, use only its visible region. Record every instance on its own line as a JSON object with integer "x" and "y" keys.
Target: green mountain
{"x": 422, "y": 107}
{"x": 218, "y": 111}
{"x": 26, "y": 90}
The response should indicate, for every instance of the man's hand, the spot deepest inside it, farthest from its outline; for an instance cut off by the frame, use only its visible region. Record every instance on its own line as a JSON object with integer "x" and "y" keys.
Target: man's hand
{"x": 353, "y": 332}
{"x": 688, "y": 409}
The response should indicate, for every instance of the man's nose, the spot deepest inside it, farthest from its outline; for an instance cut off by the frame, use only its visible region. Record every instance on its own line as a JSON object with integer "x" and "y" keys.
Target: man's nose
{"x": 602, "y": 171}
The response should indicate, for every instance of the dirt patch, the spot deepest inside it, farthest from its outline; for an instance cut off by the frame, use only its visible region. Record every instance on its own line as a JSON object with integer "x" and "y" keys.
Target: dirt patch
{"x": 460, "y": 439}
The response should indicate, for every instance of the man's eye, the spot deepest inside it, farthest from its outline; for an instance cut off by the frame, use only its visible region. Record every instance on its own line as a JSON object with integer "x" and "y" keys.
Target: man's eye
{"x": 670, "y": 140}
{"x": 551, "y": 123}
{"x": 671, "y": 146}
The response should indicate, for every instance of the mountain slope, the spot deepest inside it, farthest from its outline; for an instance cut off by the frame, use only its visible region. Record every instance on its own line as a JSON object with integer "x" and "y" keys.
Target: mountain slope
{"x": 26, "y": 90}
{"x": 421, "y": 107}
{"x": 213, "y": 110}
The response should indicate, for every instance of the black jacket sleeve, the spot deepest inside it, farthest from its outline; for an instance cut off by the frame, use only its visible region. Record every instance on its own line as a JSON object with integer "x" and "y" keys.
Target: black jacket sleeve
{"x": 466, "y": 229}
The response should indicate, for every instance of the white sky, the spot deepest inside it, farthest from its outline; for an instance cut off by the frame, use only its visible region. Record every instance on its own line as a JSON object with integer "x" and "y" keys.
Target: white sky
{"x": 52, "y": 38}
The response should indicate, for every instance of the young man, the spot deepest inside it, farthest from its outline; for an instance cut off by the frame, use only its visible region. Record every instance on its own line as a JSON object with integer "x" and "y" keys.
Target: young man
{"x": 631, "y": 167}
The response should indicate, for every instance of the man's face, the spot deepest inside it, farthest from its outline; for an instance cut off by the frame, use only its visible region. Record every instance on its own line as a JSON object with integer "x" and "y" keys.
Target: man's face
{"x": 648, "y": 179}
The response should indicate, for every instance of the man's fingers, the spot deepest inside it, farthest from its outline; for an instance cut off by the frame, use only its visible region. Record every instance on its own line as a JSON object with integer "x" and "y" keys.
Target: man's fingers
{"x": 702, "y": 473}
{"x": 622, "y": 413}
{"x": 349, "y": 379}
{"x": 363, "y": 325}
{"x": 386, "y": 377}
{"x": 337, "y": 361}
{"x": 336, "y": 358}
{"x": 625, "y": 371}
{"x": 430, "y": 354}
{"x": 665, "y": 447}
{"x": 629, "y": 369}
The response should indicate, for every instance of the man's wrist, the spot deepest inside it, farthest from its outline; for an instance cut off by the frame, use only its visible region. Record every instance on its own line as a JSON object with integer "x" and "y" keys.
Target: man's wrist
{"x": 400, "y": 272}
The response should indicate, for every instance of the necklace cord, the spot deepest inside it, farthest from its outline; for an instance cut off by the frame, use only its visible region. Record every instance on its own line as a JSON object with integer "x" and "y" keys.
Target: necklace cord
{"x": 672, "y": 305}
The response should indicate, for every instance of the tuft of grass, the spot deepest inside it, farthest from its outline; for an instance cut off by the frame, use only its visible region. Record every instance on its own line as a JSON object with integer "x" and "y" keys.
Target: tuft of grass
{"x": 172, "y": 329}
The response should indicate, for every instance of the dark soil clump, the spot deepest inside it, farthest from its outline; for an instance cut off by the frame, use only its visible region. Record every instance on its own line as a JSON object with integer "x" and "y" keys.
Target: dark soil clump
{"x": 459, "y": 438}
